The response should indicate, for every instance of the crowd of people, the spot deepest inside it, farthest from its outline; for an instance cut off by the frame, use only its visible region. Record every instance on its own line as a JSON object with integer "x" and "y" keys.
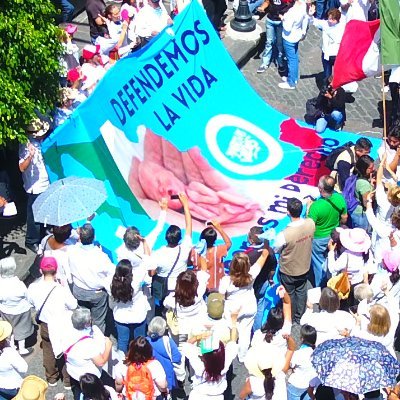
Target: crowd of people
{"x": 183, "y": 312}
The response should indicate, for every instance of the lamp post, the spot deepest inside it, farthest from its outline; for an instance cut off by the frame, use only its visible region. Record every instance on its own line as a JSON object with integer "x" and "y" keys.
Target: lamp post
{"x": 243, "y": 21}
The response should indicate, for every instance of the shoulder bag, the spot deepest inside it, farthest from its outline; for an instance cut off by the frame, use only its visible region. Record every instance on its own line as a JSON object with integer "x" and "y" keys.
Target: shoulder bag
{"x": 37, "y": 318}
{"x": 159, "y": 286}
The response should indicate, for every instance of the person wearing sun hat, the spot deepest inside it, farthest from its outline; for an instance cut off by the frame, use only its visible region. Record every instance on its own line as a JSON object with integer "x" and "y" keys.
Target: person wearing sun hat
{"x": 34, "y": 176}
{"x": 32, "y": 388}
{"x": 267, "y": 366}
{"x": 53, "y": 304}
{"x": 65, "y": 108}
{"x": 388, "y": 274}
{"x": 12, "y": 365}
{"x": 356, "y": 258}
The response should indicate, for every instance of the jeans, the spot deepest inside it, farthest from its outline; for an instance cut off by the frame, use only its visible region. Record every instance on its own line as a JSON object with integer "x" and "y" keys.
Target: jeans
{"x": 317, "y": 273}
{"x": 254, "y": 4}
{"x": 294, "y": 393}
{"x": 327, "y": 65}
{"x": 127, "y": 332}
{"x": 359, "y": 221}
{"x": 292, "y": 55}
{"x": 96, "y": 301}
{"x": 274, "y": 36}
{"x": 296, "y": 287}
{"x": 33, "y": 229}
{"x": 8, "y": 394}
{"x": 333, "y": 119}
{"x": 261, "y": 302}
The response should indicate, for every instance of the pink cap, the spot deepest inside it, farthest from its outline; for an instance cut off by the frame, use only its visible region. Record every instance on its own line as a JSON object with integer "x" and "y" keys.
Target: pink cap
{"x": 70, "y": 29}
{"x": 90, "y": 50}
{"x": 48, "y": 264}
{"x": 391, "y": 259}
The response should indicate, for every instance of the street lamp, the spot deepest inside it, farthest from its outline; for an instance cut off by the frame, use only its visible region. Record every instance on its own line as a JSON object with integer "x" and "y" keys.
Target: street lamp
{"x": 243, "y": 21}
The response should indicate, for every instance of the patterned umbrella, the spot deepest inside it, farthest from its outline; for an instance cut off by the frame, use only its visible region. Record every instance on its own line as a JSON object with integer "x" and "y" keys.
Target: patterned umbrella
{"x": 69, "y": 200}
{"x": 356, "y": 365}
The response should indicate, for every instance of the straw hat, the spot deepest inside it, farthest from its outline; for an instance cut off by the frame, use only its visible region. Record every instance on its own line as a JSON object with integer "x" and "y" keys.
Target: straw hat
{"x": 32, "y": 388}
{"x": 37, "y": 127}
{"x": 356, "y": 240}
{"x": 264, "y": 356}
{"x": 5, "y": 330}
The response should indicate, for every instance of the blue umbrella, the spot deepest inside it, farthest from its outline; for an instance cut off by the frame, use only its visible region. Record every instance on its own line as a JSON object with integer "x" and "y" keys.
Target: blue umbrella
{"x": 69, "y": 200}
{"x": 355, "y": 365}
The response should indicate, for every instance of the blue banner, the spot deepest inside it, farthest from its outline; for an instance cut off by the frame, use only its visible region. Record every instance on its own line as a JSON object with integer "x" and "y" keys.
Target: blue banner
{"x": 179, "y": 116}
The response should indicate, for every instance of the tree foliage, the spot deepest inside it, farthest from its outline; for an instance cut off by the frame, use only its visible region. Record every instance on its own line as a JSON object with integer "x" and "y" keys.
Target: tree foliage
{"x": 29, "y": 51}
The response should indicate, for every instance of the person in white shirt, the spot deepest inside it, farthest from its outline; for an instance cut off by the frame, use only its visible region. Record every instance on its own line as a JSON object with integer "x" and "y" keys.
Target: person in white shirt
{"x": 267, "y": 367}
{"x": 392, "y": 150}
{"x": 326, "y": 318}
{"x": 12, "y": 365}
{"x": 94, "y": 389}
{"x": 56, "y": 245}
{"x": 302, "y": 369}
{"x": 332, "y": 33}
{"x": 92, "y": 272}
{"x": 239, "y": 294}
{"x": 151, "y": 20}
{"x": 53, "y": 304}
{"x": 211, "y": 363}
{"x": 170, "y": 260}
{"x": 356, "y": 259}
{"x": 129, "y": 304}
{"x": 14, "y": 306}
{"x": 86, "y": 349}
{"x": 137, "y": 249}
{"x": 355, "y": 9}
{"x": 294, "y": 23}
{"x": 34, "y": 176}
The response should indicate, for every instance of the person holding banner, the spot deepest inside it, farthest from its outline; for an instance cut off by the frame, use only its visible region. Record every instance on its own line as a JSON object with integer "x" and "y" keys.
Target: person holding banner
{"x": 170, "y": 260}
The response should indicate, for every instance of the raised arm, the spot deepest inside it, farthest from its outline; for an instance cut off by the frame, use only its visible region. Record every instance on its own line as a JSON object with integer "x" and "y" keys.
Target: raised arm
{"x": 188, "y": 218}
{"x": 223, "y": 234}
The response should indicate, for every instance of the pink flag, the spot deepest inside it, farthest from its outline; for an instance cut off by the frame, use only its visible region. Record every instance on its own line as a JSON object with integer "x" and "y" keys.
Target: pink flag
{"x": 358, "y": 55}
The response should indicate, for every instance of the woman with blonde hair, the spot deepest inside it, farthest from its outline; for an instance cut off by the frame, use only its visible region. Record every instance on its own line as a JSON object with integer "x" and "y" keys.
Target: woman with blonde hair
{"x": 377, "y": 322}
{"x": 239, "y": 294}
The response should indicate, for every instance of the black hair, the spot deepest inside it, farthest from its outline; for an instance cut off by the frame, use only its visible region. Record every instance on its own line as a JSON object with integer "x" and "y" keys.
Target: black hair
{"x": 395, "y": 130}
{"x": 362, "y": 164}
{"x": 308, "y": 335}
{"x": 209, "y": 234}
{"x": 273, "y": 323}
{"x": 86, "y": 234}
{"x": 121, "y": 285}
{"x": 173, "y": 235}
{"x": 269, "y": 383}
{"x": 294, "y": 207}
{"x": 93, "y": 388}
{"x": 62, "y": 233}
{"x": 363, "y": 144}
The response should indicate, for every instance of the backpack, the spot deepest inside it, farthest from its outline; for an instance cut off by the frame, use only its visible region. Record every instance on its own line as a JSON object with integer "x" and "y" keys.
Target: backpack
{"x": 334, "y": 154}
{"x": 313, "y": 111}
{"x": 139, "y": 382}
{"x": 349, "y": 193}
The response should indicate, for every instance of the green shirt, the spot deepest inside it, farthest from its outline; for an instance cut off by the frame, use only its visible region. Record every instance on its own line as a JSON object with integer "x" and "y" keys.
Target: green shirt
{"x": 326, "y": 216}
{"x": 362, "y": 187}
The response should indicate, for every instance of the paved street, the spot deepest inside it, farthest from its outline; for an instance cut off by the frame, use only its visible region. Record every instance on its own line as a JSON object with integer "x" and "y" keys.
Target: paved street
{"x": 362, "y": 116}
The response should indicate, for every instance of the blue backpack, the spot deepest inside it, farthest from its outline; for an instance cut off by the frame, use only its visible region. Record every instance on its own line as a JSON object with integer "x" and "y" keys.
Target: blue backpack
{"x": 349, "y": 193}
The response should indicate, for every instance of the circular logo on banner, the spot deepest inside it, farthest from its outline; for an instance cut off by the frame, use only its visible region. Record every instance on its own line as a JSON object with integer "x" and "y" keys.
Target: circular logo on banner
{"x": 246, "y": 149}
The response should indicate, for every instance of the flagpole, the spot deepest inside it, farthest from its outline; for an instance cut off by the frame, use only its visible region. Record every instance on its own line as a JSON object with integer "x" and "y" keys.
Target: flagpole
{"x": 384, "y": 106}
